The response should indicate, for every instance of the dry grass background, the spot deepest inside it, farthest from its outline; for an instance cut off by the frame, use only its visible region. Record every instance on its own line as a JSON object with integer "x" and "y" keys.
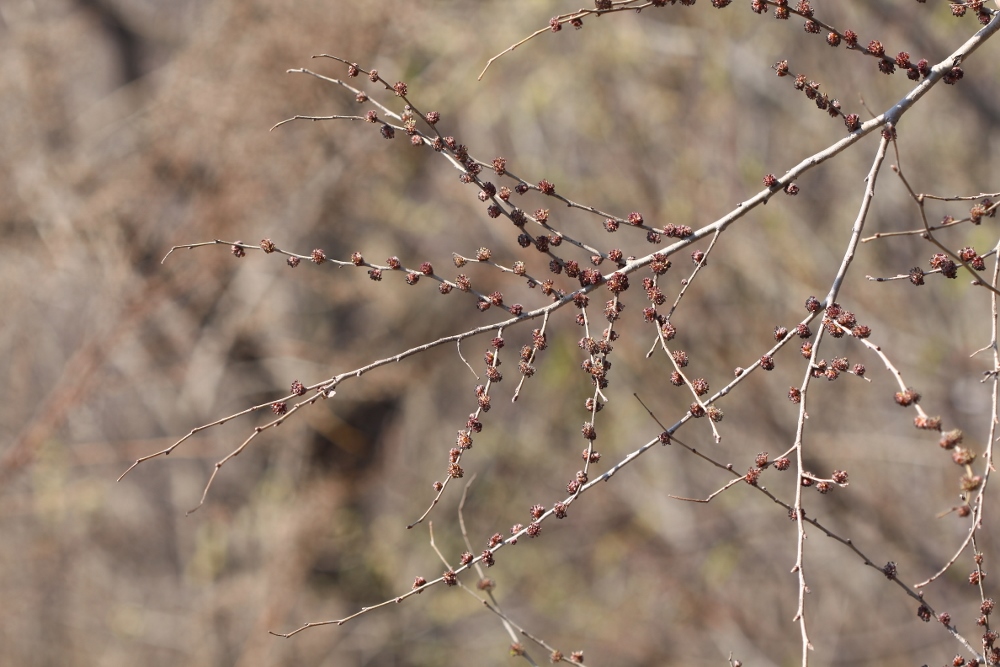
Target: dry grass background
{"x": 134, "y": 125}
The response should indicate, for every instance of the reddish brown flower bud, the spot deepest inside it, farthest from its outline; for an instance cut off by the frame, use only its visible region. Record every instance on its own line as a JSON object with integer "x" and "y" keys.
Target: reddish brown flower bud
{"x": 950, "y": 439}
{"x": 962, "y": 456}
{"x": 906, "y": 398}
{"x": 927, "y": 423}
{"x": 617, "y": 282}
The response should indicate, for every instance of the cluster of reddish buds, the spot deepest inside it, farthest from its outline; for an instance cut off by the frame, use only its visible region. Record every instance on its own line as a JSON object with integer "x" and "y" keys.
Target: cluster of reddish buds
{"x": 886, "y": 63}
{"x": 837, "y": 321}
{"x": 824, "y": 485}
{"x": 823, "y": 102}
{"x": 907, "y": 397}
{"x": 958, "y": 9}
{"x": 617, "y": 282}
{"x": 974, "y": 259}
{"x": 677, "y": 231}
{"x": 924, "y": 613}
{"x": 950, "y": 439}
{"x": 832, "y": 370}
{"x": 944, "y": 264}
{"x": 771, "y": 182}
{"x": 983, "y": 208}
{"x": 962, "y": 456}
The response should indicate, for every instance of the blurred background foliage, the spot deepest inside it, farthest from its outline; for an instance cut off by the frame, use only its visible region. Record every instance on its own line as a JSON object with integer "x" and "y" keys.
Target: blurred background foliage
{"x": 134, "y": 125}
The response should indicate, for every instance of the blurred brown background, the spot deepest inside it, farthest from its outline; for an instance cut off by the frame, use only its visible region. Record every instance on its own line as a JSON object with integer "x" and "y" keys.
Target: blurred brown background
{"x": 130, "y": 126}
